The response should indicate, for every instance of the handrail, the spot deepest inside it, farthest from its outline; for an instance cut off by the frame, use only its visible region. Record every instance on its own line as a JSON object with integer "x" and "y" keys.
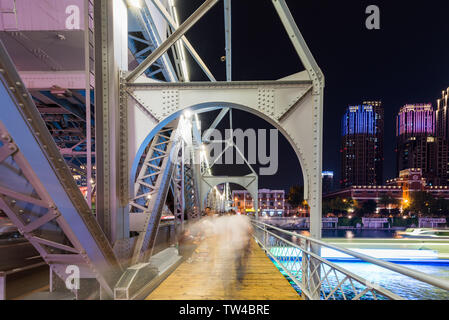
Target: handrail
{"x": 417, "y": 275}
{"x": 20, "y": 269}
{"x": 384, "y": 291}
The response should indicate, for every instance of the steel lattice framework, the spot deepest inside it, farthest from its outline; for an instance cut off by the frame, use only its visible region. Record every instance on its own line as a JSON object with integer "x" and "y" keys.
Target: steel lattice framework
{"x": 39, "y": 194}
{"x": 148, "y": 147}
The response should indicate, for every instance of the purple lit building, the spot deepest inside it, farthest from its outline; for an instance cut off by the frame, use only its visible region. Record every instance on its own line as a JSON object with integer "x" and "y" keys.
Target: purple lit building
{"x": 415, "y": 119}
{"x": 442, "y": 129}
{"x": 416, "y": 140}
{"x": 362, "y": 145}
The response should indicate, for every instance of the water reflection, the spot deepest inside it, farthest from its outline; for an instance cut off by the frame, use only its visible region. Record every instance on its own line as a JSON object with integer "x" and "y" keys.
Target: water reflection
{"x": 349, "y": 235}
{"x": 399, "y": 284}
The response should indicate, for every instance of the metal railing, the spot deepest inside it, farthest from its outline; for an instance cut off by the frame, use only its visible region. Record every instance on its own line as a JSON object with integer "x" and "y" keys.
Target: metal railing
{"x": 317, "y": 278}
{"x": 3, "y": 275}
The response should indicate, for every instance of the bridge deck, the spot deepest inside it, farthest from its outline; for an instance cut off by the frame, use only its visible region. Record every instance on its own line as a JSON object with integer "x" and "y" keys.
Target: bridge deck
{"x": 203, "y": 280}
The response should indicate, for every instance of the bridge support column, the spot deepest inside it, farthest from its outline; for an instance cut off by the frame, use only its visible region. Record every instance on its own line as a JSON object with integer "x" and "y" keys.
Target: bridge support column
{"x": 111, "y": 56}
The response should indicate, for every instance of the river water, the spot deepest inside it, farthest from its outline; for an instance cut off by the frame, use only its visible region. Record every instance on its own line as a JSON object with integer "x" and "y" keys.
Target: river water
{"x": 399, "y": 284}
{"x": 328, "y": 233}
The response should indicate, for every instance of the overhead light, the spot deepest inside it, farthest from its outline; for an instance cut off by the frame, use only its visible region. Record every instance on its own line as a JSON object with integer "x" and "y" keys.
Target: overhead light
{"x": 187, "y": 114}
{"x": 135, "y": 4}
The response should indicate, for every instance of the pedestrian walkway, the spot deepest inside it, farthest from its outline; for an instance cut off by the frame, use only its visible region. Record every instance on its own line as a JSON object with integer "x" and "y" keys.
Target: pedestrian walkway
{"x": 193, "y": 281}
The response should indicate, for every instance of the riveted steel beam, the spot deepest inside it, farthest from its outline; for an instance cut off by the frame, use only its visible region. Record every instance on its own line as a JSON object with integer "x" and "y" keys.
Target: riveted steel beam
{"x": 177, "y": 34}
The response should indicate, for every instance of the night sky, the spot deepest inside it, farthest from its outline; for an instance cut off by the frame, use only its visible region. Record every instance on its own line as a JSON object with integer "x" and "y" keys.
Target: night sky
{"x": 406, "y": 61}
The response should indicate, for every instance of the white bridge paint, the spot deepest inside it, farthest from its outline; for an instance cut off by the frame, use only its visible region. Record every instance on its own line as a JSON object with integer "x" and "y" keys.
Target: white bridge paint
{"x": 290, "y": 105}
{"x": 294, "y": 105}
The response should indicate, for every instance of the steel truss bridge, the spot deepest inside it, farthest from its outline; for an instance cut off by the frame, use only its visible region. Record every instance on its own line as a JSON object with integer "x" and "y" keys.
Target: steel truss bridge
{"x": 125, "y": 125}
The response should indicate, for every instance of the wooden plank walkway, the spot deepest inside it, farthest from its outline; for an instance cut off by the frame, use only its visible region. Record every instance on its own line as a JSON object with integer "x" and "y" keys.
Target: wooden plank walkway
{"x": 203, "y": 279}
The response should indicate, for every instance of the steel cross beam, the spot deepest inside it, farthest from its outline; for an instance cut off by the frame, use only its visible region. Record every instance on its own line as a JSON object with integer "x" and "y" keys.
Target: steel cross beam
{"x": 178, "y": 50}
{"x": 183, "y": 28}
{"x": 217, "y": 120}
{"x": 150, "y": 31}
{"x": 228, "y": 37}
{"x": 300, "y": 44}
{"x": 185, "y": 41}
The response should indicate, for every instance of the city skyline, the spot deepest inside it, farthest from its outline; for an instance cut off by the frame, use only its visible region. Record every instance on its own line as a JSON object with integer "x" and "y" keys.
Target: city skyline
{"x": 385, "y": 64}
{"x": 421, "y": 142}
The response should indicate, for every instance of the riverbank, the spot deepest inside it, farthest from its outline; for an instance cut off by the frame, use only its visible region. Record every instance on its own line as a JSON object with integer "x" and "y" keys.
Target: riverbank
{"x": 381, "y": 239}
{"x": 349, "y": 228}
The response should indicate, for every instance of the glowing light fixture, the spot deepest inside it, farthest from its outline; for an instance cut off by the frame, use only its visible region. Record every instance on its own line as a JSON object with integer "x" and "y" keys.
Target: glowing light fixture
{"x": 187, "y": 114}
{"x": 135, "y": 4}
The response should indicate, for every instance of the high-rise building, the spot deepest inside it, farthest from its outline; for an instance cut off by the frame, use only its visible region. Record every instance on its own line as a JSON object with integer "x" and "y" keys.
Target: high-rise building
{"x": 362, "y": 145}
{"x": 442, "y": 116}
{"x": 328, "y": 181}
{"x": 442, "y": 130}
{"x": 417, "y": 144}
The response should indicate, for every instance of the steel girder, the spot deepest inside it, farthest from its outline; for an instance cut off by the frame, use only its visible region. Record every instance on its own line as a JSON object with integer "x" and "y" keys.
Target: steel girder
{"x": 192, "y": 201}
{"x": 178, "y": 189}
{"x": 145, "y": 185}
{"x": 38, "y": 191}
{"x": 64, "y": 114}
{"x": 151, "y": 189}
{"x": 171, "y": 18}
{"x": 143, "y": 44}
{"x": 171, "y": 40}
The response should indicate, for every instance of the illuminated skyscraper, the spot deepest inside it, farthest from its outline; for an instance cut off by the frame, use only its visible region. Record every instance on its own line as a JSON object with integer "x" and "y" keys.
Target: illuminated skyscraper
{"x": 442, "y": 116}
{"x": 416, "y": 139}
{"x": 362, "y": 145}
{"x": 328, "y": 181}
{"x": 415, "y": 119}
{"x": 442, "y": 129}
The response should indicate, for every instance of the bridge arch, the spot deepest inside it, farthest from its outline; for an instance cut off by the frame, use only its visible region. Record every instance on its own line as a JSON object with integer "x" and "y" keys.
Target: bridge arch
{"x": 210, "y": 106}
{"x": 293, "y": 105}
